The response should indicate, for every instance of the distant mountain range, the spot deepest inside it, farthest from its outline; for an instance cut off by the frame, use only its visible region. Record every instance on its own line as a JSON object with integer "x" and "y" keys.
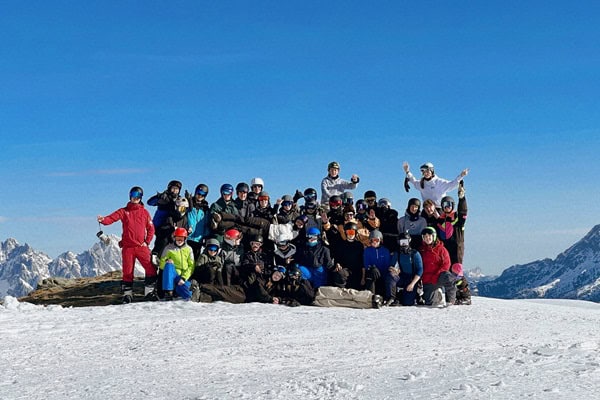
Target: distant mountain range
{"x": 22, "y": 267}
{"x": 574, "y": 274}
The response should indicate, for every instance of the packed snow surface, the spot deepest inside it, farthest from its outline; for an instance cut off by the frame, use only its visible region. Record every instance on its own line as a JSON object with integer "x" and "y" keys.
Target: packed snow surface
{"x": 493, "y": 349}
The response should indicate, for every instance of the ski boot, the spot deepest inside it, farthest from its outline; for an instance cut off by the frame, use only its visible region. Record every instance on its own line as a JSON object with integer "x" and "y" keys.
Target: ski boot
{"x": 377, "y": 301}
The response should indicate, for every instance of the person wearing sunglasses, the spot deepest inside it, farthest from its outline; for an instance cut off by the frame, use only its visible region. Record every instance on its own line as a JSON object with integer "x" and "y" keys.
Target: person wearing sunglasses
{"x": 403, "y": 279}
{"x": 430, "y": 185}
{"x": 138, "y": 232}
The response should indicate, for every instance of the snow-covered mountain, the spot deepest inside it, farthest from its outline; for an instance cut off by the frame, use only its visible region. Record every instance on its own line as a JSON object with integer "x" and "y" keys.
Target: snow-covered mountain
{"x": 22, "y": 267}
{"x": 574, "y": 274}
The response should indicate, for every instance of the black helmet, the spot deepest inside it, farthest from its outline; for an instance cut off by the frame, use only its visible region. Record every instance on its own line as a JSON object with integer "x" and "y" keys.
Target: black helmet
{"x": 348, "y": 198}
{"x": 310, "y": 194}
{"x": 370, "y": 193}
{"x": 242, "y": 187}
{"x": 384, "y": 203}
{"x": 448, "y": 200}
{"x": 201, "y": 189}
{"x": 136, "y": 191}
{"x": 333, "y": 164}
{"x": 257, "y": 238}
{"x": 174, "y": 183}
{"x": 414, "y": 202}
{"x": 293, "y": 272}
{"x": 335, "y": 201}
{"x": 361, "y": 205}
{"x": 350, "y": 225}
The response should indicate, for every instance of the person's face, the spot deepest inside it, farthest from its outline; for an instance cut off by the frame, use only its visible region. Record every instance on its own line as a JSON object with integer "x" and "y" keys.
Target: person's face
{"x": 413, "y": 209}
{"x": 255, "y": 246}
{"x": 226, "y": 196}
{"x": 427, "y": 238}
{"x": 333, "y": 172}
{"x": 174, "y": 190}
{"x": 372, "y": 214}
{"x": 350, "y": 234}
{"x": 375, "y": 242}
{"x": 135, "y": 200}
{"x": 348, "y": 216}
{"x": 179, "y": 241}
{"x": 429, "y": 208}
{"x": 286, "y": 205}
{"x": 371, "y": 201}
{"x": 263, "y": 202}
{"x": 426, "y": 173}
{"x": 242, "y": 195}
{"x": 299, "y": 224}
{"x": 257, "y": 188}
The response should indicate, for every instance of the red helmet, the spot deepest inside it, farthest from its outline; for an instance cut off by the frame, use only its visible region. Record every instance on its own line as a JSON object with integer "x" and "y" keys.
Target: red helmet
{"x": 232, "y": 234}
{"x": 182, "y": 232}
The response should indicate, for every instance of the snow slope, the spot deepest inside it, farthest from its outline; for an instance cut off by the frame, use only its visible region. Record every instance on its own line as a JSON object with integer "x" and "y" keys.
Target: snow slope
{"x": 494, "y": 349}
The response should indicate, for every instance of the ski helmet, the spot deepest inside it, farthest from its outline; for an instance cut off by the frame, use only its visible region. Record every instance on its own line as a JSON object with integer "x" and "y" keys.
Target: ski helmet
{"x": 310, "y": 194}
{"x": 257, "y": 238}
{"x": 174, "y": 183}
{"x": 263, "y": 196}
{"x": 376, "y": 234}
{"x": 370, "y": 194}
{"x": 213, "y": 244}
{"x": 348, "y": 198}
{"x": 413, "y": 202}
{"x": 447, "y": 201}
{"x": 136, "y": 192}
{"x": 180, "y": 232}
{"x": 226, "y": 188}
{"x": 361, "y": 205}
{"x": 242, "y": 187}
{"x": 427, "y": 167}
{"x": 257, "y": 182}
{"x": 384, "y": 203}
{"x": 333, "y": 164}
{"x": 233, "y": 234}
{"x": 429, "y": 231}
{"x": 350, "y": 226}
{"x": 202, "y": 190}
{"x": 293, "y": 272}
{"x": 313, "y": 232}
{"x": 335, "y": 201}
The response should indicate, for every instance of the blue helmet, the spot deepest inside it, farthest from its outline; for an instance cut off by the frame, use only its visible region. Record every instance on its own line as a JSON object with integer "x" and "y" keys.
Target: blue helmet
{"x": 226, "y": 188}
{"x": 313, "y": 232}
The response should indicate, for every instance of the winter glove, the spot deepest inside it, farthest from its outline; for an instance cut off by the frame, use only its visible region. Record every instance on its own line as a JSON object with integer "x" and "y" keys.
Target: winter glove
{"x": 297, "y": 196}
{"x": 406, "y": 185}
{"x": 461, "y": 190}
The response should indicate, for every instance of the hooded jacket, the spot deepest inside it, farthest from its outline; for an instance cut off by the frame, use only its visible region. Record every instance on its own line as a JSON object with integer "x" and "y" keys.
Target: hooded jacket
{"x": 435, "y": 261}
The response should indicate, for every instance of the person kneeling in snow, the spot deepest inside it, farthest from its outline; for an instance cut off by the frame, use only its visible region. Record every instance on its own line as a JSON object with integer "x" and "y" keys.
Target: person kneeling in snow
{"x": 436, "y": 263}
{"x": 177, "y": 265}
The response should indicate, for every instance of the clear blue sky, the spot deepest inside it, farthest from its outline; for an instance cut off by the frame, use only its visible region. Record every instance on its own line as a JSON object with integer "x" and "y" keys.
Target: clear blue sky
{"x": 96, "y": 97}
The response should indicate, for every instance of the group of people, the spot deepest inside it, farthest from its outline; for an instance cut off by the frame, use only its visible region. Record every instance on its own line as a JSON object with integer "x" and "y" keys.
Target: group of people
{"x": 283, "y": 250}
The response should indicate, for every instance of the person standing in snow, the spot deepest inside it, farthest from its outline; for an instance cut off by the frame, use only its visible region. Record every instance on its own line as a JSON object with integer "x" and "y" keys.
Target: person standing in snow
{"x": 451, "y": 225}
{"x": 138, "y": 231}
{"x": 431, "y": 186}
{"x": 198, "y": 219}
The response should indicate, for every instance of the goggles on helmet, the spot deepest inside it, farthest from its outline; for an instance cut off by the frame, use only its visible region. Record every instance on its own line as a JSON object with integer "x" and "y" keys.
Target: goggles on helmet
{"x": 135, "y": 194}
{"x": 287, "y": 203}
{"x": 201, "y": 192}
{"x": 212, "y": 247}
{"x": 404, "y": 242}
{"x": 447, "y": 204}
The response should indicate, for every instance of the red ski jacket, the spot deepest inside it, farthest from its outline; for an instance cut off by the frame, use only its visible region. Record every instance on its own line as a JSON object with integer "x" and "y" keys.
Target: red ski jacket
{"x": 137, "y": 224}
{"x": 435, "y": 261}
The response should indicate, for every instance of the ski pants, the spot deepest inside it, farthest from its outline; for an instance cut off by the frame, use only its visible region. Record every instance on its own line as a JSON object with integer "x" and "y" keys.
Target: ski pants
{"x": 396, "y": 287}
{"x": 140, "y": 253}
{"x": 170, "y": 281}
{"x": 446, "y": 281}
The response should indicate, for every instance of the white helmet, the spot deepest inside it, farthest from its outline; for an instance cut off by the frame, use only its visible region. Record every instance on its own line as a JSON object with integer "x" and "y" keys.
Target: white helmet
{"x": 257, "y": 181}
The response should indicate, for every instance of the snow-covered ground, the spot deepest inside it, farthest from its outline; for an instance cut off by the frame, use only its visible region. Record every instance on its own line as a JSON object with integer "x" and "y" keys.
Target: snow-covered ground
{"x": 494, "y": 349}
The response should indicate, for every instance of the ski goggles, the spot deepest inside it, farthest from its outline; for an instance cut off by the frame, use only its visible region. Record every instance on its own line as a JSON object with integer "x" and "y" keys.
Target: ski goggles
{"x": 448, "y": 204}
{"x": 135, "y": 194}
{"x": 350, "y": 232}
{"x": 201, "y": 192}
{"x": 263, "y": 198}
{"x": 212, "y": 247}
{"x": 287, "y": 203}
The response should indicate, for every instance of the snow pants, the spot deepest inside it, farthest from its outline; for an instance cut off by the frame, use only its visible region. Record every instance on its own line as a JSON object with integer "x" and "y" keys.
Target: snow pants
{"x": 170, "y": 280}
{"x": 445, "y": 281}
{"x": 140, "y": 253}
{"x": 396, "y": 287}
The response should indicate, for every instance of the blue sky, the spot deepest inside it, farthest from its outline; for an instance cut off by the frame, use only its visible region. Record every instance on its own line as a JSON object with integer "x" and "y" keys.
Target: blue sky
{"x": 98, "y": 97}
